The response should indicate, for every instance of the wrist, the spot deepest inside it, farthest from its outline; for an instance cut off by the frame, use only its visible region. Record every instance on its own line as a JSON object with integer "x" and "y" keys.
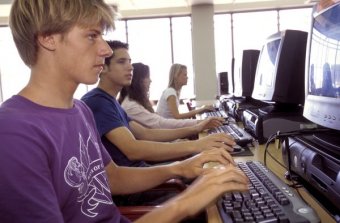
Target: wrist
{"x": 195, "y": 146}
{"x": 197, "y": 128}
{"x": 176, "y": 169}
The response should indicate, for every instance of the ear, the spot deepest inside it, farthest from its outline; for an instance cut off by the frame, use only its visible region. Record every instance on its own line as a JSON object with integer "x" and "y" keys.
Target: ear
{"x": 47, "y": 42}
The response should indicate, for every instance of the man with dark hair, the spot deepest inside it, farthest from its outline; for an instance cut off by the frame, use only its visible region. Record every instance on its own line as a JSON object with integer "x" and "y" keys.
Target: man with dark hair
{"x": 128, "y": 142}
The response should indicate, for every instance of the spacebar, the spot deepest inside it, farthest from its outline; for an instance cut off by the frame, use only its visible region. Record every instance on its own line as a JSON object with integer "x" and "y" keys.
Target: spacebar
{"x": 269, "y": 220}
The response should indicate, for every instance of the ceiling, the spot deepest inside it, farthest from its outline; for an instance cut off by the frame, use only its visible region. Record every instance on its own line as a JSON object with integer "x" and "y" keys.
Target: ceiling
{"x": 142, "y": 8}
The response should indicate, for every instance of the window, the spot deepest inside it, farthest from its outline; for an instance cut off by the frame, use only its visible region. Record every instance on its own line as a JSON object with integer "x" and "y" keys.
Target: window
{"x": 251, "y": 29}
{"x": 182, "y": 51}
{"x": 223, "y": 44}
{"x": 14, "y": 73}
{"x": 149, "y": 43}
{"x": 299, "y": 19}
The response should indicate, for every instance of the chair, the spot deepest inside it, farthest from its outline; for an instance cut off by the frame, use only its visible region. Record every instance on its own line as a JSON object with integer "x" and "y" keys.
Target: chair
{"x": 135, "y": 212}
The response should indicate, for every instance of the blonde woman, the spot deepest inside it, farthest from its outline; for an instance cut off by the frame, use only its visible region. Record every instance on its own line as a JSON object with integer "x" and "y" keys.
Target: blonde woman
{"x": 168, "y": 104}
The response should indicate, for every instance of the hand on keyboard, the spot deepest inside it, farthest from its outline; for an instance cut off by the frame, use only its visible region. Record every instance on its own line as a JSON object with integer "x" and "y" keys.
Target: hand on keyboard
{"x": 240, "y": 136}
{"x": 192, "y": 167}
{"x": 207, "y": 188}
{"x": 218, "y": 140}
{"x": 209, "y": 123}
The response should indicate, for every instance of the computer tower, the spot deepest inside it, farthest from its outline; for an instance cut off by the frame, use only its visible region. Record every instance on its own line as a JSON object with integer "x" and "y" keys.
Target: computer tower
{"x": 223, "y": 84}
{"x": 316, "y": 167}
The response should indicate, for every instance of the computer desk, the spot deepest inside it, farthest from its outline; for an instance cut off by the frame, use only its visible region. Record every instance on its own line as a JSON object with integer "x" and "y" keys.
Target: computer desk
{"x": 258, "y": 151}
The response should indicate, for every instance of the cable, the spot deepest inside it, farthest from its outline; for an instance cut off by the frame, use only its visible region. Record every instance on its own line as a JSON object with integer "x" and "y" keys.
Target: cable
{"x": 284, "y": 135}
{"x": 270, "y": 139}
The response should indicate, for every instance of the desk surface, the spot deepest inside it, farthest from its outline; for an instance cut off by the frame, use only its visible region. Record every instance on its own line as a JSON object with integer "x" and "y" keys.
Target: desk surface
{"x": 258, "y": 150}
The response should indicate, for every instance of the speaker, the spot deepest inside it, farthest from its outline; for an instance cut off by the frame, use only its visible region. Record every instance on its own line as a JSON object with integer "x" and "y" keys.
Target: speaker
{"x": 248, "y": 71}
{"x": 223, "y": 84}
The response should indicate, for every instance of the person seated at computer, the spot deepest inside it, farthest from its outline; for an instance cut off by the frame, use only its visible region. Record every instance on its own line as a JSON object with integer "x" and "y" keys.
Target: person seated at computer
{"x": 135, "y": 101}
{"x": 168, "y": 104}
{"x": 128, "y": 142}
{"x": 53, "y": 166}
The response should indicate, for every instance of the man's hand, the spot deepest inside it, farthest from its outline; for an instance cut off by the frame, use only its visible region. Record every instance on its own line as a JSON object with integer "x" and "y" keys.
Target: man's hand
{"x": 218, "y": 140}
{"x": 210, "y": 123}
{"x": 207, "y": 188}
{"x": 193, "y": 167}
{"x": 210, "y": 184}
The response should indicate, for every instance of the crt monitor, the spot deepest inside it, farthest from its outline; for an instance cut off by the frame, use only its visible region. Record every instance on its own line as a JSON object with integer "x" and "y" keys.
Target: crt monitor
{"x": 322, "y": 105}
{"x": 245, "y": 76}
{"x": 279, "y": 77}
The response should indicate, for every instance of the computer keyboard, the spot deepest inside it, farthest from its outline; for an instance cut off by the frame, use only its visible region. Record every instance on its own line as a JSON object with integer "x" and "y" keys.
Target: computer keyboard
{"x": 269, "y": 199}
{"x": 240, "y": 136}
{"x": 217, "y": 113}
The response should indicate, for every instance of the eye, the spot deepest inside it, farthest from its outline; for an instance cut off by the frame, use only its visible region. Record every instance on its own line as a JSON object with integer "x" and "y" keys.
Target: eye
{"x": 93, "y": 36}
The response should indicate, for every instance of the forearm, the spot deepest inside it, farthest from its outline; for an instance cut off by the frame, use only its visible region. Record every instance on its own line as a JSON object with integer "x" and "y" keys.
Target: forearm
{"x": 175, "y": 210}
{"x": 158, "y": 151}
{"x": 167, "y": 135}
{"x": 127, "y": 180}
{"x": 171, "y": 212}
{"x": 189, "y": 114}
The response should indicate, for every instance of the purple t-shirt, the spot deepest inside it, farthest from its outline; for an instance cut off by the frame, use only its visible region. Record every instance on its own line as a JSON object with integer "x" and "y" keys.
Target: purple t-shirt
{"x": 52, "y": 165}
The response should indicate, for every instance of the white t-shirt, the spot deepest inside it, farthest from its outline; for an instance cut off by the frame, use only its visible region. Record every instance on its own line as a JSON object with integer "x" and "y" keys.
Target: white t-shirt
{"x": 141, "y": 115}
{"x": 162, "y": 105}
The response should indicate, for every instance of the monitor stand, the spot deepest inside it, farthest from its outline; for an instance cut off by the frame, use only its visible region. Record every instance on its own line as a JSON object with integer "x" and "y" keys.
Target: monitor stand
{"x": 281, "y": 109}
{"x": 268, "y": 121}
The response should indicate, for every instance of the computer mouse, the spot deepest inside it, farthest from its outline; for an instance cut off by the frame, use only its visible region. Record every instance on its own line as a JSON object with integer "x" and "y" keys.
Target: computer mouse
{"x": 237, "y": 148}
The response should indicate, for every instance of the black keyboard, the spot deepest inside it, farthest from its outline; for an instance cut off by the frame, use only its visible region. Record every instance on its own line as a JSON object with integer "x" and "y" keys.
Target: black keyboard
{"x": 218, "y": 113}
{"x": 240, "y": 136}
{"x": 269, "y": 199}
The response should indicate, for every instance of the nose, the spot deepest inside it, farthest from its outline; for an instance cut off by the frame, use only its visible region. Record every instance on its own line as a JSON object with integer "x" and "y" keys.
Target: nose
{"x": 106, "y": 50}
{"x": 130, "y": 66}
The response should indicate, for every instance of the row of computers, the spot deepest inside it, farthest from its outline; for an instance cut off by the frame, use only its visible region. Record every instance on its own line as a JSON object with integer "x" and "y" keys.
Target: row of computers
{"x": 290, "y": 90}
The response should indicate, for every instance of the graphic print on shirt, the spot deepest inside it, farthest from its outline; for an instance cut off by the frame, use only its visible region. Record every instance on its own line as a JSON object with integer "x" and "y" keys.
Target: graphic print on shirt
{"x": 88, "y": 176}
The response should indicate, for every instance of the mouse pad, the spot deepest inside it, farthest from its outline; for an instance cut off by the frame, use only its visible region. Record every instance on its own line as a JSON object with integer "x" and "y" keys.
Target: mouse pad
{"x": 245, "y": 151}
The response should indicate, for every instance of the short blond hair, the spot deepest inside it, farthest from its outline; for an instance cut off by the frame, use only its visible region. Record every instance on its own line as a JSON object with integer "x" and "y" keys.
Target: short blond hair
{"x": 31, "y": 18}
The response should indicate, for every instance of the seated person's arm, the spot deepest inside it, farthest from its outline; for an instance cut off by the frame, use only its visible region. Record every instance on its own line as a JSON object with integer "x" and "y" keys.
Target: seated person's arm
{"x": 159, "y": 151}
{"x": 166, "y": 135}
{"x": 172, "y": 105}
{"x": 126, "y": 180}
{"x": 204, "y": 191}
{"x": 162, "y": 135}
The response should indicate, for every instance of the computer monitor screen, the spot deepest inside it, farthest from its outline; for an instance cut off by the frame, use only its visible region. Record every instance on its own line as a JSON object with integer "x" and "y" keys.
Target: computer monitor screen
{"x": 245, "y": 74}
{"x": 322, "y": 105}
{"x": 280, "y": 71}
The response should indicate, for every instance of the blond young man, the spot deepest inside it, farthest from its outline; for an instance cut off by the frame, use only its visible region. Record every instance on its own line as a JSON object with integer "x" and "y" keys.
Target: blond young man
{"x": 53, "y": 165}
